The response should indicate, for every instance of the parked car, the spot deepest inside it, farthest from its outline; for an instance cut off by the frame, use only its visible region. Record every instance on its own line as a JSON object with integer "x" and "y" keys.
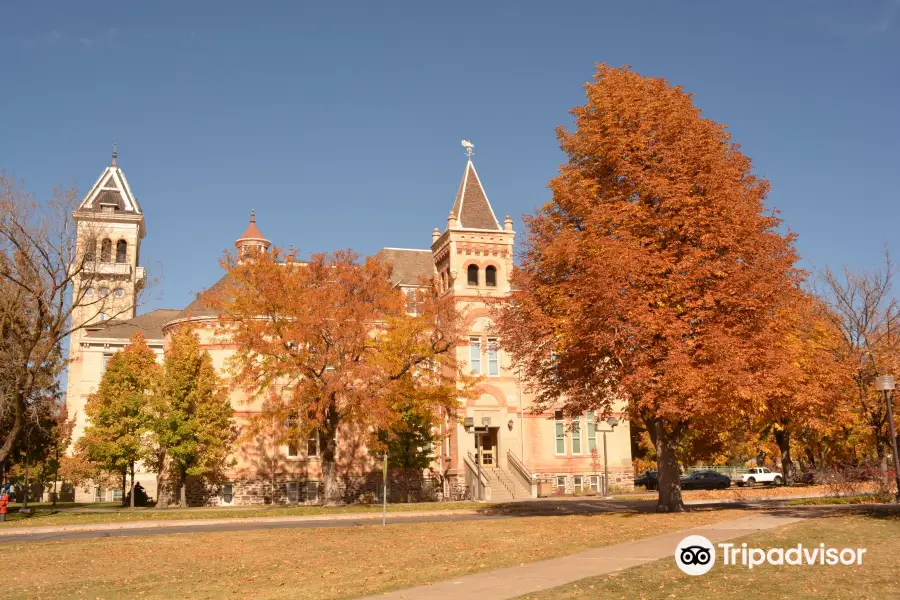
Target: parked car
{"x": 705, "y": 480}
{"x": 760, "y": 475}
{"x": 649, "y": 480}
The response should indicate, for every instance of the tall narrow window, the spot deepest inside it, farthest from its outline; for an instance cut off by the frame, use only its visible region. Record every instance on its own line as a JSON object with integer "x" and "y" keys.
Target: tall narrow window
{"x": 560, "y": 433}
{"x": 411, "y": 301}
{"x": 121, "y": 251}
{"x": 472, "y": 275}
{"x": 312, "y": 445}
{"x": 492, "y": 360}
{"x": 490, "y": 276}
{"x": 90, "y": 252}
{"x": 293, "y": 449}
{"x": 106, "y": 251}
{"x": 475, "y": 355}
{"x": 103, "y": 362}
{"x": 592, "y": 432}
{"x": 576, "y": 435}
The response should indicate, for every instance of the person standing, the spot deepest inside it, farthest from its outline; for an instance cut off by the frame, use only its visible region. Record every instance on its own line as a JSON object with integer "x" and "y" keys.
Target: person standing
{"x": 4, "y": 502}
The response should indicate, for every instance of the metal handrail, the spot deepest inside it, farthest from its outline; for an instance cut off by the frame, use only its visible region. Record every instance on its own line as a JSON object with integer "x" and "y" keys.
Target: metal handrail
{"x": 520, "y": 468}
{"x": 473, "y": 464}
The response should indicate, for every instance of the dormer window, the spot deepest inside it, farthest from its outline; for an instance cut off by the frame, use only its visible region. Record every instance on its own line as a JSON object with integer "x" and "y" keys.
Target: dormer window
{"x": 490, "y": 276}
{"x": 472, "y": 275}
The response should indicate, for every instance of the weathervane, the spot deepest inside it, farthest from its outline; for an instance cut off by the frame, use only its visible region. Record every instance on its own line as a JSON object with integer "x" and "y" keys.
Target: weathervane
{"x": 469, "y": 146}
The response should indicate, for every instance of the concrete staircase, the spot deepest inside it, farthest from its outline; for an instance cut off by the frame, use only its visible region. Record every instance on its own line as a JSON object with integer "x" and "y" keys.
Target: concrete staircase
{"x": 505, "y": 486}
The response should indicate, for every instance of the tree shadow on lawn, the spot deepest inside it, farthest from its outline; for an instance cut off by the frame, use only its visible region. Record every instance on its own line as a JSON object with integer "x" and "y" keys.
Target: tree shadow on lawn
{"x": 551, "y": 507}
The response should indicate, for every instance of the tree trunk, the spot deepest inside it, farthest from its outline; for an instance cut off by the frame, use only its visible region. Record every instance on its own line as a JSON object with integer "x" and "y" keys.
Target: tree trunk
{"x": 182, "y": 487}
{"x": 328, "y": 447}
{"x": 783, "y": 439}
{"x": 328, "y": 441}
{"x": 132, "y": 486}
{"x": 669, "y": 474}
{"x": 12, "y": 435}
{"x": 406, "y": 477}
{"x": 124, "y": 483}
{"x": 162, "y": 495}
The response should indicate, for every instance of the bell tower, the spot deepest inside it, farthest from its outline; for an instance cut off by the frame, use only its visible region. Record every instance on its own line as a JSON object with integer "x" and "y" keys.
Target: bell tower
{"x": 110, "y": 226}
{"x": 474, "y": 255}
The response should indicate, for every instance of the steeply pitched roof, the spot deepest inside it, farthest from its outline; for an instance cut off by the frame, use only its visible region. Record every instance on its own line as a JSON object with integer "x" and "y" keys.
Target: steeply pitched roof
{"x": 149, "y": 324}
{"x": 409, "y": 267}
{"x": 111, "y": 189}
{"x": 472, "y": 209}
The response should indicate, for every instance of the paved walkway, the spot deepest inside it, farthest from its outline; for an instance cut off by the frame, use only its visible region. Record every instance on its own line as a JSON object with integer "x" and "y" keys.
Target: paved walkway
{"x": 539, "y": 576}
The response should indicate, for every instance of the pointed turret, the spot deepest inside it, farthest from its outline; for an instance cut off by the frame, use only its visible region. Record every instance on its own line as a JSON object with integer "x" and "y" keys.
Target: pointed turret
{"x": 472, "y": 209}
{"x": 252, "y": 240}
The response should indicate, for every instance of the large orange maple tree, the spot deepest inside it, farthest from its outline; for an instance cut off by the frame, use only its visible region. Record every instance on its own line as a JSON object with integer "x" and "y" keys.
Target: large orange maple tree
{"x": 330, "y": 345}
{"x": 654, "y": 273}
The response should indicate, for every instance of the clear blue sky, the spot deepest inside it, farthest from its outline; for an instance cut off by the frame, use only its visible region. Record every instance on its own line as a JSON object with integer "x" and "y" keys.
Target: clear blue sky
{"x": 340, "y": 122}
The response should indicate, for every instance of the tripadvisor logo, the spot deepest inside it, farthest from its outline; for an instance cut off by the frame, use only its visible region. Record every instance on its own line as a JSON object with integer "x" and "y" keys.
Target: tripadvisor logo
{"x": 696, "y": 555}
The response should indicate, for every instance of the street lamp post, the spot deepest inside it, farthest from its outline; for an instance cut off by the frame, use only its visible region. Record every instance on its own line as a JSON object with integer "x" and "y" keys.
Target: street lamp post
{"x": 612, "y": 421}
{"x": 886, "y": 384}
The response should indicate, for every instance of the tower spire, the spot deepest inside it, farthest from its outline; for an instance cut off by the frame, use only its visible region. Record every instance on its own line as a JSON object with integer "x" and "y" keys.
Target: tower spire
{"x": 115, "y": 155}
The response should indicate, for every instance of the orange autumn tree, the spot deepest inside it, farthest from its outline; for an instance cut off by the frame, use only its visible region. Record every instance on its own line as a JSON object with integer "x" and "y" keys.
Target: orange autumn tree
{"x": 653, "y": 272}
{"x": 329, "y": 346}
{"x": 806, "y": 386}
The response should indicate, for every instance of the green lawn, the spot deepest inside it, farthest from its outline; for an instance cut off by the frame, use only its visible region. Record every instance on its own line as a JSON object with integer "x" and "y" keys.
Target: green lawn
{"x": 321, "y": 564}
{"x": 878, "y": 578}
{"x": 46, "y": 516}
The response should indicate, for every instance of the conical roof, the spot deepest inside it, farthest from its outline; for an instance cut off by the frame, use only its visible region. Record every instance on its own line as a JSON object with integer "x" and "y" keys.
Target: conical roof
{"x": 252, "y": 232}
{"x": 472, "y": 209}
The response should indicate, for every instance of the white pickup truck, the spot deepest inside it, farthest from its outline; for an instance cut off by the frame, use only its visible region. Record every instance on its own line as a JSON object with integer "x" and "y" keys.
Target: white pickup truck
{"x": 760, "y": 475}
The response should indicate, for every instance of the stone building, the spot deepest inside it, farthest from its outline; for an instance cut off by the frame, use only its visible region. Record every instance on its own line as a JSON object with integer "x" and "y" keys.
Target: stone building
{"x": 495, "y": 448}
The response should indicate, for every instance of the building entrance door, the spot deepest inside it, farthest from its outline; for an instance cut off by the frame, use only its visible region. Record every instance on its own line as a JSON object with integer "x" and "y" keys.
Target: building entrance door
{"x": 488, "y": 452}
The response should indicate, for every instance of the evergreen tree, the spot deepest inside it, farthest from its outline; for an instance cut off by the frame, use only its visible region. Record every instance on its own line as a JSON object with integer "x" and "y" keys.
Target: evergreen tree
{"x": 409, "y": 442}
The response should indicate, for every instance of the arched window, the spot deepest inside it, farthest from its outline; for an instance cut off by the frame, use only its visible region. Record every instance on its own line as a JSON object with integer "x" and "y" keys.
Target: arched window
{"x": 121, "y": 251}
{"x": 490, "y": 276}
{"x": 106, "y": 251}
{"x": 472, "y": 275}
{"x": 444, "y": 281}
{"x": 90, "y": 252}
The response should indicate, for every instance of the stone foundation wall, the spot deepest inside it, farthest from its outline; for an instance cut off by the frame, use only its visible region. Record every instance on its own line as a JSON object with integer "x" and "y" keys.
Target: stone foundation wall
{"x": 621, "y": 479}
{"x": 358, "y": 489}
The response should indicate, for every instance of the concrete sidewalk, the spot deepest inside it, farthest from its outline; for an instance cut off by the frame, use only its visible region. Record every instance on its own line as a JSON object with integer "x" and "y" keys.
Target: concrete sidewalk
{"x": 513, "y": 582}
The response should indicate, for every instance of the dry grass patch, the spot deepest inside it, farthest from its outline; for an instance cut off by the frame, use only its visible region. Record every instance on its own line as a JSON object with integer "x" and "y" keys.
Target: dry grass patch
{"x": 875, "y": 579}
{"x": 313, "y": 563}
